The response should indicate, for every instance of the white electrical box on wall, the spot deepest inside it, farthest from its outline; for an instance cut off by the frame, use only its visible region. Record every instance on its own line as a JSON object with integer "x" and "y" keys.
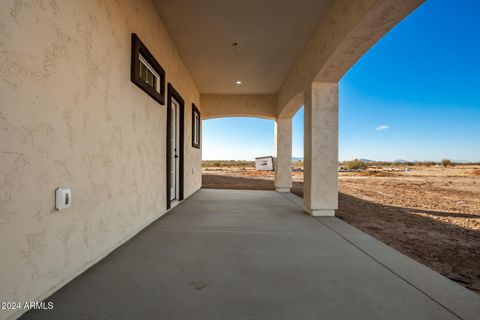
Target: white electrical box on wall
{"x": 63, "y": 198}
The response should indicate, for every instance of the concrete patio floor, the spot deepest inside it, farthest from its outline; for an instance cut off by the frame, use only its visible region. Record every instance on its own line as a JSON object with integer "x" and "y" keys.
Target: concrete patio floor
{"x": 229, "y": 254}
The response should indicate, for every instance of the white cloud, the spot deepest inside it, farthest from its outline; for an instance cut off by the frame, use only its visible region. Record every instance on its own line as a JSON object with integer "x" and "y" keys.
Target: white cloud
{"x": 382, "y": 127}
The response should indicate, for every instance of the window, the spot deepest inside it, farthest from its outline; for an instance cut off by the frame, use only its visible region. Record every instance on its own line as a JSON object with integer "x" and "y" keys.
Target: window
{"x": 146, "y": 72}
{"x": 196, "y": 121}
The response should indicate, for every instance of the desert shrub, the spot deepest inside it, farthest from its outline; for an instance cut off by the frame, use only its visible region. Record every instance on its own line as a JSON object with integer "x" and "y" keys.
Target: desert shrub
{"x": 472, "y": 163}
{"x": 227, "y": 163}
{"x": 355, "y": 164}
{"x": 426, "y": 163}
{"x": 446, "y": 163}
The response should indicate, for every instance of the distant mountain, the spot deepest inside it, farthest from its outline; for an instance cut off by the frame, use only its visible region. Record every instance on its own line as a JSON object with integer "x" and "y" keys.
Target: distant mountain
{"x": 367, "y": 160}
{"x": 401, "y": 161}
{"x": 297, "y": 159}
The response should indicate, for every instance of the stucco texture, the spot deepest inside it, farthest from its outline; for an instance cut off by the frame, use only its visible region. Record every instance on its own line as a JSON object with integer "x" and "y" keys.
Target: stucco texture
{"x": 70, "y": 116}
{"x": 321, "y": 148}
{"x": 239, "y": 105}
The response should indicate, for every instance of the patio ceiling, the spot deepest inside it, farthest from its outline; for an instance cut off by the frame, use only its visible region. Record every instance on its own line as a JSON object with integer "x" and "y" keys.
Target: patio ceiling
{"x": 270, "y": 34}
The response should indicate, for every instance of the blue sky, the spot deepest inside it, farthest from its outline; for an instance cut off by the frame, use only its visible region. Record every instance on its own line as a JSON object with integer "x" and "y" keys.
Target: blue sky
{"x": 415, "y": 95}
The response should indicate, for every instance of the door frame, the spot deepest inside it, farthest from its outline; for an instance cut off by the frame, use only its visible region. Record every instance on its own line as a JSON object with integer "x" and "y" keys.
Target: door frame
{"x": 173, "y": 94}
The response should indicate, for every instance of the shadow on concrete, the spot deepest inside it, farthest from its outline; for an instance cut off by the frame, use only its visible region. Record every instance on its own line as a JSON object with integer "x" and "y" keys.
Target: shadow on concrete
{"x": 423, "y": 235}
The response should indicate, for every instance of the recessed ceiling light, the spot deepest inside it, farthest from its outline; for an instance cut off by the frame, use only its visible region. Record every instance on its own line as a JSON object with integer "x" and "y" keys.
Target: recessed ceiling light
{"x": 238, "y": 82}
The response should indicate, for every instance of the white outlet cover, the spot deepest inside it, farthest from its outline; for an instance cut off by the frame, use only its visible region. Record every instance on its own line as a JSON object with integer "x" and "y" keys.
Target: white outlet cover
{"x": 63, "y": 198}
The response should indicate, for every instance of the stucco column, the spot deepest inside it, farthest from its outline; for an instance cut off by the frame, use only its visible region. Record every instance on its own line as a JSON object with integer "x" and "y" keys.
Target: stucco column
{"x": 321, "y": 149}
{"x": 283, "y": 153}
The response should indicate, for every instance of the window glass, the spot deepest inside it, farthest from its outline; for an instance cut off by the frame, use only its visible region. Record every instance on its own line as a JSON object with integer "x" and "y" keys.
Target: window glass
{"x": 195, "y": 128}
{"x": 148, "y": 75}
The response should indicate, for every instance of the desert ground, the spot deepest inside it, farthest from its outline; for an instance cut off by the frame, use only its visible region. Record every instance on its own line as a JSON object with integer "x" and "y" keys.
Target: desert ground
{"x": 431, "y": 214}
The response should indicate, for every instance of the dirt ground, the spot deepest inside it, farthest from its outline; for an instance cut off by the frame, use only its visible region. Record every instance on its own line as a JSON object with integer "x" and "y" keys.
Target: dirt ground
{"x": 429, "y": 214}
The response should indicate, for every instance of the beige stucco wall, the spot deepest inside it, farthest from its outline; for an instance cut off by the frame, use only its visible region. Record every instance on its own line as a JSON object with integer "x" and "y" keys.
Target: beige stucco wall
{"x": 283, "y": 155}
{"x": 239, "y": 105}
{"x": 321, "y": 149}
{"x": 69, "y": 116}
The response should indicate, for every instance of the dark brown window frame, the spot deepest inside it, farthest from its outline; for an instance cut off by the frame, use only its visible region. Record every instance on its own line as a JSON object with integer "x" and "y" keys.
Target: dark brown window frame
{"x": 139, "y": 48}
{"x": 196, "y": 111}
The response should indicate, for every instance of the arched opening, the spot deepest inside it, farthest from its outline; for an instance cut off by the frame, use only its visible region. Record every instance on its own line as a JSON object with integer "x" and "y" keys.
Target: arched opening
{"x": 408, "y": 103}
{"x": 230, "y": 146}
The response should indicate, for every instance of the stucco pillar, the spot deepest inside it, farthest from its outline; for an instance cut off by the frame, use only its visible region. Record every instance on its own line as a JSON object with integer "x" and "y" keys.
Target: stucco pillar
{"x": 283, "y": 153}
{"x": 321, "y": 149}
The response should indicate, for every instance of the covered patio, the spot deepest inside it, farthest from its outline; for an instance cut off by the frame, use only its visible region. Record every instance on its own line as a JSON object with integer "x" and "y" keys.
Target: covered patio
{"x": 102, "y": 103}
{"x": 230, "y": 254}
